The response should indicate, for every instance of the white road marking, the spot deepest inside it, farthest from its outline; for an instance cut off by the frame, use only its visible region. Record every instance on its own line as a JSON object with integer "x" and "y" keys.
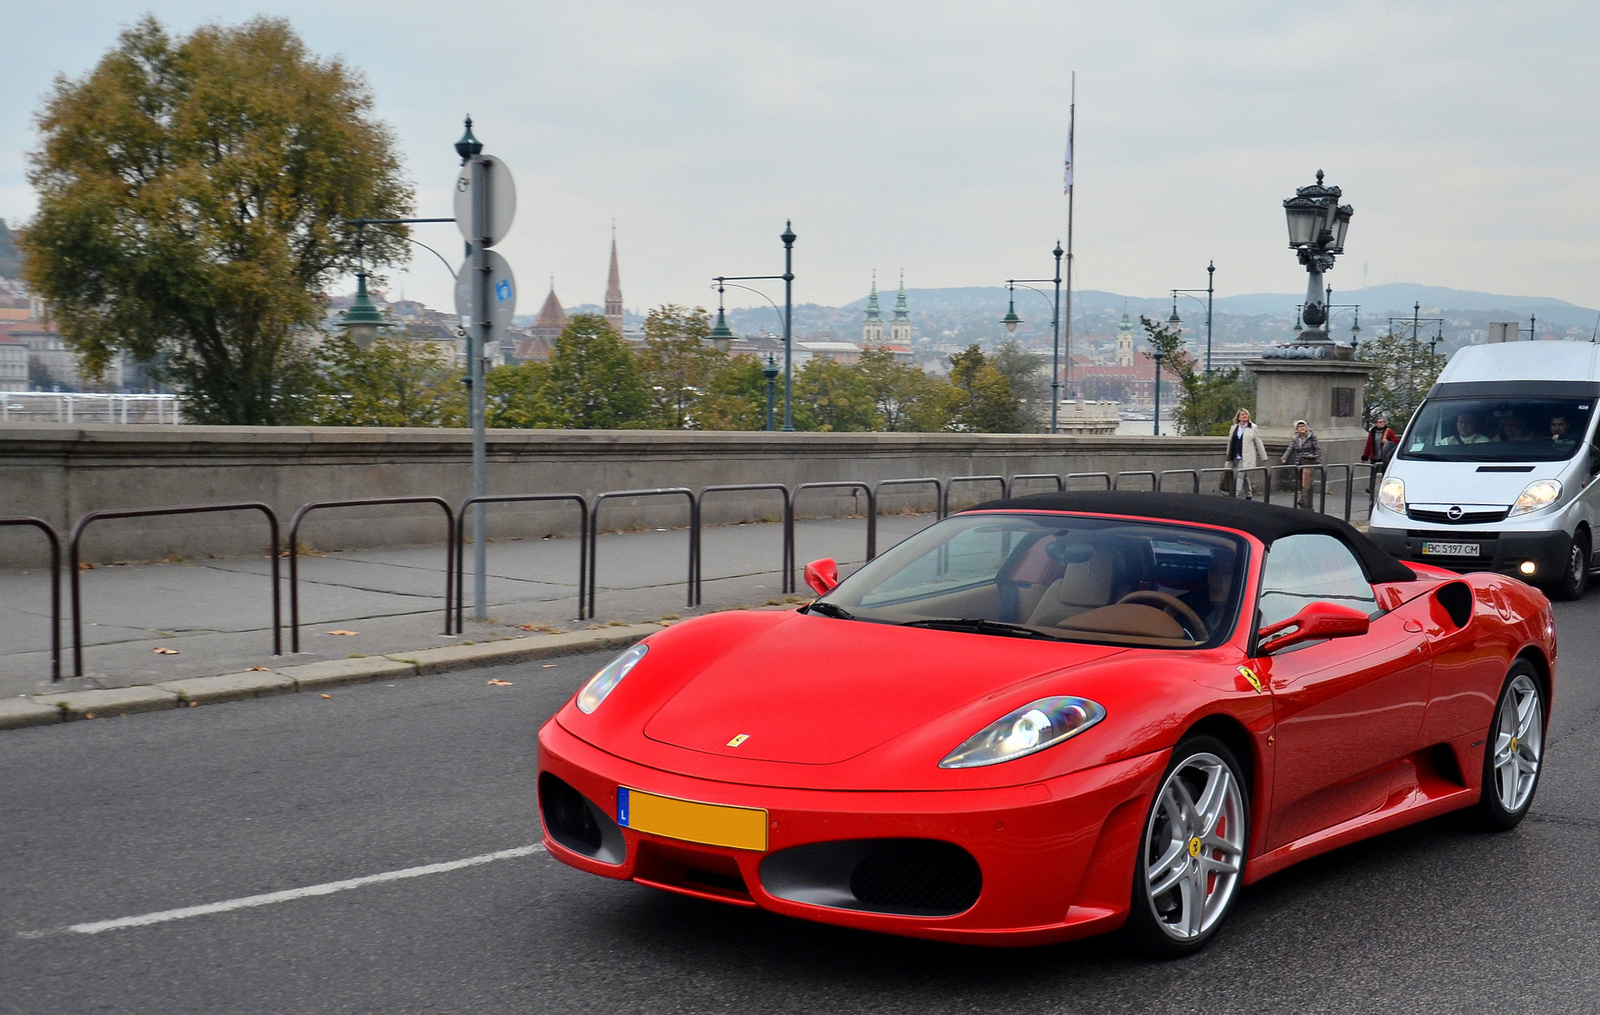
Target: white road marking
{"x": 287, "y": 895}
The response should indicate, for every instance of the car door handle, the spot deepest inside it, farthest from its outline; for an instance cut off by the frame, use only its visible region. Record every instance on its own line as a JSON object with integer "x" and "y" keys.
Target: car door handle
{"x": 1413, "y": 626}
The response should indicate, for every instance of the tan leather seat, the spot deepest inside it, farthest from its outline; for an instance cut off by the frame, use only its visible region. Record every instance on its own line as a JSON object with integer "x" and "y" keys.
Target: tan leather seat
{"x": 1084, "y": 586}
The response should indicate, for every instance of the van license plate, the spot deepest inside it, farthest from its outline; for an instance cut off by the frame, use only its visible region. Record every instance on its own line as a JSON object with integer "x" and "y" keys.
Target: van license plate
{"x": 1451, "y": 549}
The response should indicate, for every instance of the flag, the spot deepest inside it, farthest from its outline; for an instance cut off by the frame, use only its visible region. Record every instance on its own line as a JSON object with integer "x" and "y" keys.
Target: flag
{"x": 1067, "y": 173}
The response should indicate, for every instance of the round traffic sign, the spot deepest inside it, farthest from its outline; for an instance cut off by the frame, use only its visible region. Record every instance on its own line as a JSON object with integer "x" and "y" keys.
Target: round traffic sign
{"x": 502, "y": 293}
{"x": 502, "y": 201}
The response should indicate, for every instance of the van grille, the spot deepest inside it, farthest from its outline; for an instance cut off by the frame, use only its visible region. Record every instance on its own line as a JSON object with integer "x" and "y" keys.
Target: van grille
{"x": 1465, "y": 518}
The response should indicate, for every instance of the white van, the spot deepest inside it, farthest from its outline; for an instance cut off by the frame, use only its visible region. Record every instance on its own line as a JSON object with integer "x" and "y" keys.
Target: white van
{"x": 1496, "y": 471}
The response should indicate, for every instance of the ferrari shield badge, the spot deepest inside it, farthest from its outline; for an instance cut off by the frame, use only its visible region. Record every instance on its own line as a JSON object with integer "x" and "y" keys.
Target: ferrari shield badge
{"x": 1250, "y": 675}
{"x": 736, "y": 741}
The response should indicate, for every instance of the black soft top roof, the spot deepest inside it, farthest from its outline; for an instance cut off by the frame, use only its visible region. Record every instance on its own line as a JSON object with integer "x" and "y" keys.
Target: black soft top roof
{"x": 1264, "y": 521}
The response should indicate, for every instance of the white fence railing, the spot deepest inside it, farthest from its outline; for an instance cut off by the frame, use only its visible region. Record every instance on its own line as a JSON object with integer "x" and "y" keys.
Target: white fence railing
{"x": 64, "y": 407}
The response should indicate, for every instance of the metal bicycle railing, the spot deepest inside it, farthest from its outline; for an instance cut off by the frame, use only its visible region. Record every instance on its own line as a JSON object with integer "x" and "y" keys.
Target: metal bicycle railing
{"x": 186, "y": 509}
{"x": 594, "y": 535}
{"x": 1011, "y": 484}
{"x": 1116, "y": 481}
{"x": 517, "y": 498}
{"x": 1104, "y": 477}
{"x": 950, "y": 487}
{"x": 55, "y": 582}
{"x": 841, "y": 484}
{"x": 318, "y": 505}
{"x": 1193, "y": 474}
{"x": 785, "y": 566}
{"x": 938, "y": 497}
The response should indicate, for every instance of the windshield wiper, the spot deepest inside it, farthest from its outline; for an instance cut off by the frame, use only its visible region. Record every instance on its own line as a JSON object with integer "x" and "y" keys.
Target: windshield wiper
{"x": 977, "y": 625}
{"x": 830, "y": 610}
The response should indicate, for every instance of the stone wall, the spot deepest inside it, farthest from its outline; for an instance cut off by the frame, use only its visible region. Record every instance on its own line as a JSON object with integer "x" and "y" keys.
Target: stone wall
{"x": 60, "y": 473}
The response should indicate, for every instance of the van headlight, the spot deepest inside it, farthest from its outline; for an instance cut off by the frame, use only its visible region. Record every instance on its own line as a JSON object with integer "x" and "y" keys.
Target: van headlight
{"x": 1392, "y": 495}
{"x": 1540, "y": 494}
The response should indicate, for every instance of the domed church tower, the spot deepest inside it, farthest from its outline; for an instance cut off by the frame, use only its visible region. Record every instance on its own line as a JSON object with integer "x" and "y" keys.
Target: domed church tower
{"x": 872, "y": 330}
{"x": 900, "y": 327}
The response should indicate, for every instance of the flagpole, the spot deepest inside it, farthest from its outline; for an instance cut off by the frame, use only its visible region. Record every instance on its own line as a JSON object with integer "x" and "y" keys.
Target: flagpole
{"x": 1072, "y": 124}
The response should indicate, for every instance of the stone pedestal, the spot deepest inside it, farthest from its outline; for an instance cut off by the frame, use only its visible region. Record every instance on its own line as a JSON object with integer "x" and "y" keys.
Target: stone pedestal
{"x": 1319, "y": 383}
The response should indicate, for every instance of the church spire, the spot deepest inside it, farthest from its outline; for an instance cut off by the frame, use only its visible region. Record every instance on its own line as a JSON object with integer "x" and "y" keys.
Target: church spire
{"x": 900, "y": 308}
{"x": 900, "y": 327}
{"x": 614, "y": 288}
{"x": 872, "y": 330}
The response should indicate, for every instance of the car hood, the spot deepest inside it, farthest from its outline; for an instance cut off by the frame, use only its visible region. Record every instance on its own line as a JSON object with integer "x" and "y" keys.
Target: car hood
{"x": 1443, "y": 484}
{"x": 818, "y": 691}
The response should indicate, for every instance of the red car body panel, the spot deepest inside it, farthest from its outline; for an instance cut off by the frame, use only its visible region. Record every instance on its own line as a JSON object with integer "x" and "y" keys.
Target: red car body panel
{"x": 844, "y": 725}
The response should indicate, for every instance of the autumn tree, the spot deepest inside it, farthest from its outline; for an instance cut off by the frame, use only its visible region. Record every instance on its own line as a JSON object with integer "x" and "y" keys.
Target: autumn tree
{"x": 677, "y": 364}
{"x": 979, "y": 399}
{"x": 392, "y": 382}
{"x": 1406, "y": 370}
{"x": 832, "y": 396}
{"x": 1207, "y": 403}
{"x": 195, "y": 195}
{"x": 736, "y": 396}
{"x": 594, "y": 382}
{"x": 518, "y": 396}
{"x": 1029, "y": 376}
{"x": 902, "y": 395}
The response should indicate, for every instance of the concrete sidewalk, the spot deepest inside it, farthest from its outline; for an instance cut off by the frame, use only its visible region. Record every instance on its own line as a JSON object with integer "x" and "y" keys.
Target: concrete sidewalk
{"x": 216, "y": 615}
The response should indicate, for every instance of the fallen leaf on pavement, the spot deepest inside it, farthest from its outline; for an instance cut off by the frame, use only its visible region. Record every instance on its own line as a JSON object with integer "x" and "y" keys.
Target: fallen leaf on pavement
{"x": 344, "y": 632}
{"x": 547, "y": 666}
{"x": 327, "y": 695}
{"x": 497, "y": 682}
{"x": 258, "y": 669}
{"x": 158, "y": 650}
{"x": 88, "y": 715}
{"x": 194, "y": 704}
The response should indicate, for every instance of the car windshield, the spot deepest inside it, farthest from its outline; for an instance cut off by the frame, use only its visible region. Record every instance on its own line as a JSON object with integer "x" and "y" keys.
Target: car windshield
{"x": 1498, "y": 429}
{"x": 1067, "y": 577}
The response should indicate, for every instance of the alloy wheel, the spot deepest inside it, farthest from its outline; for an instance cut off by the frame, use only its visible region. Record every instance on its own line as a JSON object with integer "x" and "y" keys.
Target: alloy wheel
{"x": 1518, "y": 744}
{"x": 1194, "y": 847}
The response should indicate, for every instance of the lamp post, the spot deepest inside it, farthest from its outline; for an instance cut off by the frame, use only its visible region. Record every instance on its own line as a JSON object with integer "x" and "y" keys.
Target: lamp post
{"x": 1157, "y": 429}
{"x": 1210, "y": 291}
{"x": 1011, "y": 320}
{"x": 721, "y": 334}
{"x": 1317, "y": 227}
{"x": 1417, "y": 321}
{"x": 788, "y": 237}
{"x": 770, "y": 372}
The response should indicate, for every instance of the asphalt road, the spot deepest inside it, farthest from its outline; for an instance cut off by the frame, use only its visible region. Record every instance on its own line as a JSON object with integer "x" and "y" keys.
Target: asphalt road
{"x": 125, "y": 817}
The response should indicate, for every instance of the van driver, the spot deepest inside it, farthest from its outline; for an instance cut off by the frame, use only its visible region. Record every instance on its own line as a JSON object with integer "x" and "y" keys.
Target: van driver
{"x": 1560, "y": 437}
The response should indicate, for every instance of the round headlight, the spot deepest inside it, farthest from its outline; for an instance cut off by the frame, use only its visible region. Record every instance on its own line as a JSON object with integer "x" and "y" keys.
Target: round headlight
{"x": 1539, "y": 494}
{"x": 1033, "y": 727}
{"x": 603, "y": 683}
{"x": 1392, "y": 495}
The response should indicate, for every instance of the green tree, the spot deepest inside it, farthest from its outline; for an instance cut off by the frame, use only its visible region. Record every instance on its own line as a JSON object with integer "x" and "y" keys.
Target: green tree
{"x": 736, "y": 397}
{"x": 677, "y": 365}
{"x": 10, "y": 259}
{"x": 518, "y": 396}
{"x": 832, "y": 396}
{"x": 1207, "y": 403}
{"x": 979, "y": 398}
{"x": 194, "y": 204}
{"x": 900, "y": 392}
{"x": 1406, "y": 370}
{"x": 391, "y": 383}
{"x": 594, "y": 383}
{"x": 1029, "y": 376}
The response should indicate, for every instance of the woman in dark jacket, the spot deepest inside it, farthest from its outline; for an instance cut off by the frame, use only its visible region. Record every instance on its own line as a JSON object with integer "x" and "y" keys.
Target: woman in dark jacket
{"x": 1304, "y": 450}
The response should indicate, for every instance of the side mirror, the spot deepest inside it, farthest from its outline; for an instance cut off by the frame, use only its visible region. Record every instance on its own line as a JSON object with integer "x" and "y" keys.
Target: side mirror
{"x": 1313, "y": 623}
{"x": 822, "y": 575}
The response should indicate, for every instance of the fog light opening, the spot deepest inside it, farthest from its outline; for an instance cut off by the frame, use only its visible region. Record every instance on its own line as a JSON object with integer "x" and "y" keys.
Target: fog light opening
{"x": 1527, "y": 567}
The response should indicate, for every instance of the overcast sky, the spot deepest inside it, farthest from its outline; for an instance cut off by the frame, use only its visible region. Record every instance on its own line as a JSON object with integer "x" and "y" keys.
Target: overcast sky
{"x": 929, "y": 136}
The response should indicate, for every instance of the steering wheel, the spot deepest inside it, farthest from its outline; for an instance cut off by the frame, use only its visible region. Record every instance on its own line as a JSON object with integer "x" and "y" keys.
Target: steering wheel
{"x": 1179, "y": 610}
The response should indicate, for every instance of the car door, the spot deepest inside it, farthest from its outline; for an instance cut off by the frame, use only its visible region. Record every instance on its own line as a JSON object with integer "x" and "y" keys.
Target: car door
{"x": 1346, "y": 710}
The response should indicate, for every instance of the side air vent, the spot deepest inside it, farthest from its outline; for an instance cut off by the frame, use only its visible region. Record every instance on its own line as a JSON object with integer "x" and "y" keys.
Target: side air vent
{"x": 912, "y": 877}
{"x": 576, "y": 823}
{"x": 1456, "y": 598}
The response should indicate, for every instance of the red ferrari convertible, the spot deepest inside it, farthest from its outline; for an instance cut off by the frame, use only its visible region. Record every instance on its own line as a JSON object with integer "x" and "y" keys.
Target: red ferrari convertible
{"x": 1055, "y": 716}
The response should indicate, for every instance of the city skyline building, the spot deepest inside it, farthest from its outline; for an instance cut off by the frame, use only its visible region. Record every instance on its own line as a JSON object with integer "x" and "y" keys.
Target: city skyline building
{"x": 613, "y": 306}
{"x": 900, "y": 327}
{"x": 1124, "y": 352}
{"x": 872, "y": 329}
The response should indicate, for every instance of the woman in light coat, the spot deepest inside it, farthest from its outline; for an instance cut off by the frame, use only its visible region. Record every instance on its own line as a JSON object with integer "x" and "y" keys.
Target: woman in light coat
{"x": 1245, "y": 452}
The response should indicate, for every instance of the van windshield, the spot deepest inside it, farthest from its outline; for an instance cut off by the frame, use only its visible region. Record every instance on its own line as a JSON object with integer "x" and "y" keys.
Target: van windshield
{"x": 1498, "y": 429}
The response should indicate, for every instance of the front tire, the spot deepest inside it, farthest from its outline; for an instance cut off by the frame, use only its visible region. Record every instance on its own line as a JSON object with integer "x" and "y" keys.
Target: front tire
{"x": 1513, "y": 754}
{"x": 1192, "y": 851}
{"x": 1575, "y": 577}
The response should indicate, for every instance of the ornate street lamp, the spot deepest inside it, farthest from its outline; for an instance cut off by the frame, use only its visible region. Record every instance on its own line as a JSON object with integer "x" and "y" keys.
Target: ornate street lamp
{"x": 1011, "y": 320}
{"x": 1317, "y": 226}
{"x": 1210, "y": 290}
{"x": 362, "y": 320}
{"x": 721, "y": 334}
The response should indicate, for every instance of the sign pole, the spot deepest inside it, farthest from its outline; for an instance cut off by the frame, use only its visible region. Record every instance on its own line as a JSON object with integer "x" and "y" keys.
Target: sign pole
{"x": 477, "y": 346}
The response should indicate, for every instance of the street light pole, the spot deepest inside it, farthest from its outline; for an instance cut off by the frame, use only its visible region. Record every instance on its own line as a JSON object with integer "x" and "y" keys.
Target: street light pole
{"x": 788, "y": 239}
{"x": 1157, "y": 429}
{"x": 1210, "y": 291}
{"x": 770, "y": 372}
{"x": 1011, "y": 320}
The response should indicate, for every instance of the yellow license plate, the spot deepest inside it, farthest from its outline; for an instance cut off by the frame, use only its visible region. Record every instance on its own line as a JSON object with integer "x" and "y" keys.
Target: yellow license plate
{"x": 711, "y": 824}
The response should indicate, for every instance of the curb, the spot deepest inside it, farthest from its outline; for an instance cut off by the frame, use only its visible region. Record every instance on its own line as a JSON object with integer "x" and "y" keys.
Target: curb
{"x": 48, "y": 708}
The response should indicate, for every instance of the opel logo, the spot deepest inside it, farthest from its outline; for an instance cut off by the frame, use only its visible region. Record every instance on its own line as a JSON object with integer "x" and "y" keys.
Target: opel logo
{"x": 1454, "y": 514}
